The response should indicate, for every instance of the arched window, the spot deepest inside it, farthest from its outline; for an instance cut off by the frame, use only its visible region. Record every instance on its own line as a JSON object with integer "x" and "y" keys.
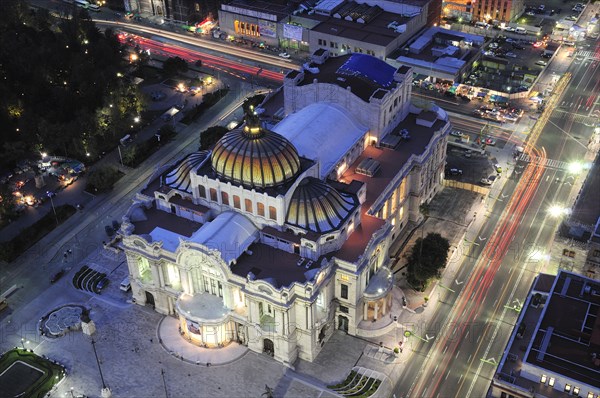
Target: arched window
{"x": 213, "y": 194}
{"x": 236, "y": 202}
{"x": 260, "y": 209}
{"x": 225, "y": 198}
{"x": 272, "y": 213}
{"x": 248, "y": 205}
{"x": 202, "y": 191}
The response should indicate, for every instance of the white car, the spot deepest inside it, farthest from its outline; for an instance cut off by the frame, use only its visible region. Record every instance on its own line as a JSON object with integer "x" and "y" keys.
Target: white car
{"x": 511, "y": 55}
{"x": 456, "y": 133}
{"x": 284, "y": 55}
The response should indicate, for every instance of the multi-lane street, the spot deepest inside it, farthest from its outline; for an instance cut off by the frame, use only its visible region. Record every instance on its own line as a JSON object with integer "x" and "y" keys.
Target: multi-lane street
{"x": 472, "y": 325}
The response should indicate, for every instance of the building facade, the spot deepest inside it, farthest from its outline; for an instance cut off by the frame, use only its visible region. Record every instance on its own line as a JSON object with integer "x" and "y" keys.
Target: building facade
{"x": 279, "y": 235}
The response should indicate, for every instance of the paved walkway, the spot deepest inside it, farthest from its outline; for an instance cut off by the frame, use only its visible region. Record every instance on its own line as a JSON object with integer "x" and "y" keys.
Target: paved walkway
{"x": 176, "y": 345}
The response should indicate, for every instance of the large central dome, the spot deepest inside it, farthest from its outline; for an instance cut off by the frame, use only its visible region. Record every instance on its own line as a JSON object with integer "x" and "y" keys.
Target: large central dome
{"x": 255, "y": 157}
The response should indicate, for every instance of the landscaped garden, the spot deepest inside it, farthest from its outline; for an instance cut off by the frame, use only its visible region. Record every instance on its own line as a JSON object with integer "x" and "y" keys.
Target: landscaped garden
{"x": 357, "y": 384}
{"x": 23, "y": 373}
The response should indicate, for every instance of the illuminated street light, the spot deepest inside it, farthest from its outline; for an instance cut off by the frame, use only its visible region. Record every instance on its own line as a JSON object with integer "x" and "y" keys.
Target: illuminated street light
{"x": 133, "y": 57}
{"x": 557, "y": 211}
{"x": 575, "y": 167}
{"x": 136, "y": 119}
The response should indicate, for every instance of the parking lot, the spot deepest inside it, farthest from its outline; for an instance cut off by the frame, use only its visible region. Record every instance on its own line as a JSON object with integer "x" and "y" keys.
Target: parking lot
{"x": 476, "y": 165}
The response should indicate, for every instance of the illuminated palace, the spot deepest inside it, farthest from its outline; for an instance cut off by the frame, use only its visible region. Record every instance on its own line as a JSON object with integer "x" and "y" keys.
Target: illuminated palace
{"x": 280, "y": 233}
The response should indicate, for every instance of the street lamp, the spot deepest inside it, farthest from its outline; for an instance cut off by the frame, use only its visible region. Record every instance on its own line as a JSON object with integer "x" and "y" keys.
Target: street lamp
{"x": 105, "y": 389}
{"x": 50, "y": 195}
{"x": 23, "y": 342}
{"x": 136, "y": 119}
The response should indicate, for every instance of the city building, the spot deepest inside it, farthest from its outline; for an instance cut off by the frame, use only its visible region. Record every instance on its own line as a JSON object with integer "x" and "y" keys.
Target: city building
{"x": 554, "y": 349}
{"x": 490, "y": 11}
{"x": 279, "y": 235}
{"x": 497, "y": 10}
{"x": 442, "y": 54}
{"x": 340, "y": 26}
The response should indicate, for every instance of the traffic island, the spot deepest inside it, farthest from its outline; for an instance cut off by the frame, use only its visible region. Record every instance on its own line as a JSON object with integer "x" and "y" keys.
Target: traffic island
{"x": 23, "y": 373}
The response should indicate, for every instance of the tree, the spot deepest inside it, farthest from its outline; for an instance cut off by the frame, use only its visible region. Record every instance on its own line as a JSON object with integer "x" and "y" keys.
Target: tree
{"x": 102, "y": 179}
{"x": 426, "y": 260}
{"x": 173, "y": 66}
{"x": 210, "y": 136}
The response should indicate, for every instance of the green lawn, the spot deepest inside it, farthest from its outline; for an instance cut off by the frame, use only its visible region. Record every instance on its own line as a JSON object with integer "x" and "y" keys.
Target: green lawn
{"x": 23, "y": 372}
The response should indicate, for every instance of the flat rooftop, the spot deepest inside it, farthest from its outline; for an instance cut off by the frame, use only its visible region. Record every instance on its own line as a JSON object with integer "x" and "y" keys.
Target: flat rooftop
{"x": 560, "y": 335}
{"x": 168, "y": 221}
{"x": 391, "y": 162}
{"x": 373, "y": 32}
{"x": 279, "y": 267}
{"x": 361, "y": 86}
{"x": 280, "y": 10}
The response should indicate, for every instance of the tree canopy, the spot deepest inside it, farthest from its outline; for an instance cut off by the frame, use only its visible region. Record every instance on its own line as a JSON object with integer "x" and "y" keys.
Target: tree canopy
{"x": 62, "y": 85}
{"x": 174, "y": 65}
{"x": 426, "y": 259}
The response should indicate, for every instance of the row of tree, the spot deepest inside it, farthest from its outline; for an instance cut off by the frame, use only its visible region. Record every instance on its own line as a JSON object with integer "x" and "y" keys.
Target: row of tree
{"x": 62, "y": 84}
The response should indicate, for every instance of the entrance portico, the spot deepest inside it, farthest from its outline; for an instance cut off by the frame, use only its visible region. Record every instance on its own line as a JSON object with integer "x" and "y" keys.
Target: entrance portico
{"x": 205, "y": 321}
{"x": 377, "y": 297}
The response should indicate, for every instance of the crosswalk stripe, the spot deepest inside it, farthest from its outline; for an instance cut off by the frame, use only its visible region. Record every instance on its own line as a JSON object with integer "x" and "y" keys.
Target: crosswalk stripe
{"x": 550, "y": 163}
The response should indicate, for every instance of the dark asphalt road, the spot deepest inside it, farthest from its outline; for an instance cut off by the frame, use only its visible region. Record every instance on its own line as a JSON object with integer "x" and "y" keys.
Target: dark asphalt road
{"x": 564, "y": 138}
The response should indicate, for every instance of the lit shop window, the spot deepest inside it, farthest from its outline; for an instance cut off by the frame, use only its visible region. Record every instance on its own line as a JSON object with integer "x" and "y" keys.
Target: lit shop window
{"x": 551, "y": 382}
{"x": 543, "y": 379}
{"x": 567, "y": 387}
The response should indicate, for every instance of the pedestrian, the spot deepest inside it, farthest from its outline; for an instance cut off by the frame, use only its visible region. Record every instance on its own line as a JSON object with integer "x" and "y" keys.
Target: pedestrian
{"x": 65, "y": 255}
{"x": 70, "y": 251}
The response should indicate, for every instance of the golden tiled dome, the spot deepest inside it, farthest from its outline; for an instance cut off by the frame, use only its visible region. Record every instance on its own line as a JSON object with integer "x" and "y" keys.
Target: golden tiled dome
{"x": 255, "y": 157}
{"x": 318, "y": 207}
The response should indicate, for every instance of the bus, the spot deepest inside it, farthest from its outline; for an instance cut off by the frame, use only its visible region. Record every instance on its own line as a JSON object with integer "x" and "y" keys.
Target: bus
{"x": 94, "y": 7}
{"x": 82, "y": 3}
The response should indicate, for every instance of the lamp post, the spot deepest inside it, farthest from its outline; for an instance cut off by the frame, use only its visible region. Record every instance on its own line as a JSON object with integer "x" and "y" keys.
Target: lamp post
{"x": 50, "y": 195}
{"x": 162, "y": 373}
{"x": 23, "y": 342}
{"x": 120, "y": 156}
{"x": 105, "y": 390}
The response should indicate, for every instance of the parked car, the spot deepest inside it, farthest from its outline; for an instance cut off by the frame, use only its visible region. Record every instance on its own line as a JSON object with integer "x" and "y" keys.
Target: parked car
{"x": 456, "y": 133}
{"x": 456, "y": 172}
{"x": 102, "y": 284}
{"x": 57, "y": 276}
{"x": 541, "y": 63}
{"x": 511, "y": 55}
{"x": 284, "y": 55}
{"x": 109, "y": 230}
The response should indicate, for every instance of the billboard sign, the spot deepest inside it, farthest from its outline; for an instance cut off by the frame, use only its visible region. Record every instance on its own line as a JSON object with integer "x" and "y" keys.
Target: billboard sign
{"x": 267, "y": 28}
{"x": 293, "y": 32}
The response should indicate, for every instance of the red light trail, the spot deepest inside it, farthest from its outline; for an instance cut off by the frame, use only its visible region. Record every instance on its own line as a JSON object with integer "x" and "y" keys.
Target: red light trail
{"x": 234, "y": 68}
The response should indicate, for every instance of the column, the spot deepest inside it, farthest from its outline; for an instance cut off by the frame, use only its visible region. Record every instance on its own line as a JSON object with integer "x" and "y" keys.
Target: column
{"x": 365, "y": 310}
{"x": 185, "y": 281}
{"x": 156, "y": 274}
{"x": 384, "y": 307}
{"x": 376, "y": 311}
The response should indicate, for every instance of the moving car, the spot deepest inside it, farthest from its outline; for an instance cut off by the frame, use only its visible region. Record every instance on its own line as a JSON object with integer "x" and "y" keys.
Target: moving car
{"x": 541, "y": 63}
{"x": 456, "y": 172}
{"x": 284, "y": 55}
{"x": 456, "y": 133}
